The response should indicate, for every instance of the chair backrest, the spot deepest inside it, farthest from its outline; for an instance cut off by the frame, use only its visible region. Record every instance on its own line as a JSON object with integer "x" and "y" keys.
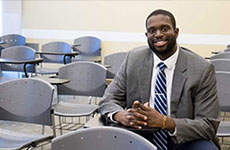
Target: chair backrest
{"x": 221, "y": 64}
{"x": 86, "y": 79}
{"x": 10, "y": 40}
{"x": 26, "y": 100}
{"x": 222, "y": 55}
{"x": 13, "y": 40}
{"x": 115, "y": 60}
{"x": 223, "y": 90}
{"x": 227, "y": 50}
{"x": 101, "y": 138}
{"x": 56, "y": 47}
{"x": 18, "y": 53}
{"x": 88, "y": 47}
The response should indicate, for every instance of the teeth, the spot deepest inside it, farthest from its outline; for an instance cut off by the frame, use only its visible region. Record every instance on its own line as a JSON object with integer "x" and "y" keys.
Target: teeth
{"x": 160, "y": 43}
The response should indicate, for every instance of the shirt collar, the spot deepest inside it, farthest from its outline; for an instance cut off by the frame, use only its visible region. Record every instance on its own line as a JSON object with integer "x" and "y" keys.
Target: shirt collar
{"x": 169, "y": 62}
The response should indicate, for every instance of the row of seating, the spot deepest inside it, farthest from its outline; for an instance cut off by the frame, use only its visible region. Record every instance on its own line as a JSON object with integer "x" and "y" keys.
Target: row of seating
{"x": 31, "y": 100}
{"x": 32, "y": 104}
{"x": 87, "y": 46}
{"x": 86, "y": 78}
{"x": 221, "y": 62}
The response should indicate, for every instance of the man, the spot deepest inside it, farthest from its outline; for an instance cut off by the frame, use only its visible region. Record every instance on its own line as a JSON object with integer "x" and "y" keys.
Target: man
{"x": 165, "y": 86}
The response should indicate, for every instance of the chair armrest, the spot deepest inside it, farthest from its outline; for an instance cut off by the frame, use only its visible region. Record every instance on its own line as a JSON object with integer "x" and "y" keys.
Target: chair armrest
{"x": 74, "y": 47}
{"x": 215, "y": 52}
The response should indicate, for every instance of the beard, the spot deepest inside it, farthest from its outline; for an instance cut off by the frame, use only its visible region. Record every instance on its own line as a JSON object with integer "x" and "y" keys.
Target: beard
{"x": 171, "y": 44}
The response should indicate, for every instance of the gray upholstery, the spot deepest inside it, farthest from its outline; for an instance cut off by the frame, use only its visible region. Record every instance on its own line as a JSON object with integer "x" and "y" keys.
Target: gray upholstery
{"x": 89, "y": 48}
{"x": 114, "y": 60}
{"x": 101, "y": 138}
{"x": 86, "y": 79}
{"x": 10, "y": 40}
{"x": 18, "y": 53}
{"x": 221, "y": 64}
{"x": 28, "y": 101}
{"x": 223, "y": 89}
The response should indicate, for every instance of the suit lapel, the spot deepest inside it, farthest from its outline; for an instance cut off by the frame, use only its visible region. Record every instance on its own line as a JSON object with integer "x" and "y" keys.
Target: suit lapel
{"x": 145, "y": 75}
{"x": 179, "y": 79}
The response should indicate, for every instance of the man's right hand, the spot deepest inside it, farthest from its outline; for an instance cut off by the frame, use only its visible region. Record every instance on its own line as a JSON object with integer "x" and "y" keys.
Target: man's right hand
{"x": 127, "y": 118}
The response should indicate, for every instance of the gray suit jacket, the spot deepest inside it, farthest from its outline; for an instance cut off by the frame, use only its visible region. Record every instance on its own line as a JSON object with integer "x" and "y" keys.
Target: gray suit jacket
{"x": 194, "y": 103}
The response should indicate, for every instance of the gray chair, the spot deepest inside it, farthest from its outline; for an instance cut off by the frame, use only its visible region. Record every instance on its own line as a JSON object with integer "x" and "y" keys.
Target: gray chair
{"x": 86, "y": 79}
{"x": 18, "y": 53}
{"x": 217, "y": 52}
{"x": 228, "y": 49}
{"x": 221, "y": 55}
{"x": 223, "y": 89}
{"x": 10, "y": 40}
{"x": 35, "y": 46}
{"x": 27, "y": 101}
{"x": 114, "y": 60}
{"x": 89, "y": 49}
{"x": 221, "y": 64}
{"x": 62, "y": 47}
{"x": 101, "y": 138}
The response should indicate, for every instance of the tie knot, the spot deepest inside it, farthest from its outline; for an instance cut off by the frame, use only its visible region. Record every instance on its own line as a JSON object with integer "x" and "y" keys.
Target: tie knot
{"x": 162, "y": 66}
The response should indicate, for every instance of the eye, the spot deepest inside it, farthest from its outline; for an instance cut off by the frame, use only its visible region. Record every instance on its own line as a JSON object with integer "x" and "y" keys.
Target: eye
{"x": 151, "y": 31}
{"x": 164, "y": 29}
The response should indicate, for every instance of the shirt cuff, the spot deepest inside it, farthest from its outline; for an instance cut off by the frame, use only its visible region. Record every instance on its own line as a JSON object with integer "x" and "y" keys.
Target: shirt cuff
{"x": 110, "y": 116}
{"x": 174, "y": 133}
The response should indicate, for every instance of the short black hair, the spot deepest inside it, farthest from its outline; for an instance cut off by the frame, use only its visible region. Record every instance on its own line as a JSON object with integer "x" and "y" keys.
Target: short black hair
{"x": 165, "y": 13}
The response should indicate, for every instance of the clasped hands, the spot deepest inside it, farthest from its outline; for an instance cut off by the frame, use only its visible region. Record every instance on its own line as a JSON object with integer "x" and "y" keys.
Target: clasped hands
{"x": 139, "y": 116}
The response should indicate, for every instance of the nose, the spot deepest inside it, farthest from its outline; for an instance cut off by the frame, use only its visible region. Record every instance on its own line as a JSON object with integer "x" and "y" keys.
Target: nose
{"x": 158, "y": 34}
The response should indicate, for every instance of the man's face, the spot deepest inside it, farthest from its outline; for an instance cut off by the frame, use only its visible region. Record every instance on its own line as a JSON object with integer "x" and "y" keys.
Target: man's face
{"x": 161, "y": 35}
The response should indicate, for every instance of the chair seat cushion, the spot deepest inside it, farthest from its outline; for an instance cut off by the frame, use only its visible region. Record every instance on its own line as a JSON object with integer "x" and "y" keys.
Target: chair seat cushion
{"x": 15, "y": 140}
{"x": 224, "y": 128}
{"x": 47, "y": 71}
{"x": 74, "y": 110}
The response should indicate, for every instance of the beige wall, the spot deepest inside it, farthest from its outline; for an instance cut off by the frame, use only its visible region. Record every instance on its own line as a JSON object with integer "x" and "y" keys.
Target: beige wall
{"x": 207, "y": 17}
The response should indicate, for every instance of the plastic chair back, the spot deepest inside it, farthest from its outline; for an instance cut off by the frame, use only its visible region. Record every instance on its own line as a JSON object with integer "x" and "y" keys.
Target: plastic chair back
{"x": 18, "y": 53}
{"x": 223, "y": 88}
{"x": 13, "y": 40}
{"x": 115, "y": 60}
{"x": 101, "y": 138}
{"x": 56, "y": 47}
{"x": 86, "y": 79}
{"x": 88, "y": 46}
{"x": 221, "y": 64}
{"x": 26, "y": 100}
{"x": 222, "y": 55}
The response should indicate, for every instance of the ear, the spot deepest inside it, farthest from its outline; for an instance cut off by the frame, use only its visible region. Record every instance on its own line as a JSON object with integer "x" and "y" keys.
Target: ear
{"x": 177, "y": 32}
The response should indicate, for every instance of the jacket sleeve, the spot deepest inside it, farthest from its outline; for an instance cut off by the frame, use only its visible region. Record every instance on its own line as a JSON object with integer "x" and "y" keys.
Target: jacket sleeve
{"x": 114, "y": 98}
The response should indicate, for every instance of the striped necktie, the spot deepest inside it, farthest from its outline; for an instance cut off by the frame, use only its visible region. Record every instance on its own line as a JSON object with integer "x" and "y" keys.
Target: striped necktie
{"x": 160, "y": 104}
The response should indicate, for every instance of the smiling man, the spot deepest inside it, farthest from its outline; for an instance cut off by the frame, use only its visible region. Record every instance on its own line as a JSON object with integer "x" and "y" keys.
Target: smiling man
{"x": 168, "y": 87}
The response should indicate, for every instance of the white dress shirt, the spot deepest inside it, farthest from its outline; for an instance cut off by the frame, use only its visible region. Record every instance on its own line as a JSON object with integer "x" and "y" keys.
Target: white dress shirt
{"x": 170, "y": 63}
{"x": 169, "y": 71}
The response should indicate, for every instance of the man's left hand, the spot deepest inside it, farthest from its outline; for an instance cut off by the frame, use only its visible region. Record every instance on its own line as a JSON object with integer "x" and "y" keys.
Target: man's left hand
{"x": 152, "y": 117}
